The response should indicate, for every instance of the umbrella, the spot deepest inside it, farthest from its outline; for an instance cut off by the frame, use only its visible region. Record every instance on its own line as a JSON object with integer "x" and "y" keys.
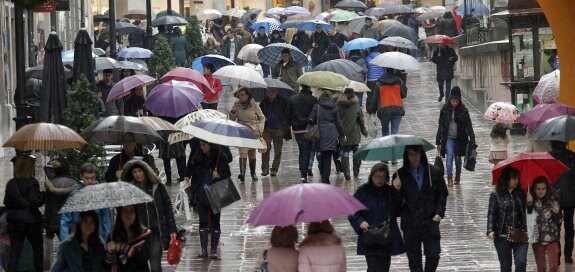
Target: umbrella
{"x": 360, "y": 44}
{"x": 224, "y": 132}
{"x": 472, "y": 8}
{"x": 501, "y": 112}
{"x": 45, "y": 137}
{"x": 99, "y": 18}
{"x": 135, "y": 14}
{"x": 217, "y": 60}
{"x": 160, "y": 125}
{"x": 208, "y": 14}
{"x": 397, "y": 60}
{"x": 124, "y": 86}
{"x": 375, "y": 12}
{"x": 531, "y": 166}
{"x": 284, "y": 90}
{"x": 398, "y": 42}
{"x": 547, "y": 90}
{"x": 560, "y": 128}
{"x": 246, "y": 17}
{"x": 388, "y": 4}
{"x": 424, "y": 13}
{"x": 235, "y": 12}
{"x": 124, "y": 64}
{"x": 98, "y": 51}
{"x": 383, "y": 24}
{"x": 269, "y": 24}
{"x": 190, "y": 119}
{"x": 401, "y": 31}
{"x": 344, "y": 16}
{"x": 357, "y": 87}
{"x": 104, "y": 196}
{"x": 399, "y": 9}
{"x": 542, "y": 112}
{"x": 291, "y": 24}
{"x": 135, "y": 53}
{"x": 353, "y": 4}
{"x": 240, "y": 75}
{"x": 389, "y": 148}
{"x": 174, "y": 98}
{"x": 293, "y": 10}
{"x": 310, "y": 25}
{"x": 83, "y": 61}
{"x": 110, "y": 130}
{"x": 165, "y": 13}
{"x": 53, "y": 98}
{"x": 357, "y": 24}
{"x": 345, "y": 67}
{"x": 124, "y": 28}
{"x": 68, "y": 55}
{"x": 250, "y": 52}
{"x": 169, "y": 20}
{"x": 103, "y": 63}
{"x": 187, "y": 74}
{"x": 38, "y": 71}
{"x": 313, "y": 202}
{"x": 323, "y": 79}
{"x": 440, "y": 39}
{"x": 275, "y": 11}
{"x": 271, "y": 54}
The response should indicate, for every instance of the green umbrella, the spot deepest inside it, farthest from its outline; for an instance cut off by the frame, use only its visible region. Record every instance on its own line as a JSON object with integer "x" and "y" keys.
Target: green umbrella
{"x": 389, "y": 148}
{"x": 344, "y": 16}
{"x": 323, "y": 79}
{"x": 165, "y": 12}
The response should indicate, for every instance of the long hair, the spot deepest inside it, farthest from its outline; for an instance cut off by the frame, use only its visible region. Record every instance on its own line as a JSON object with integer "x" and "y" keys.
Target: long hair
{"x": 119, "y": 229}
{"x": 320, "y": 227}
{"x": 379, "y": 167}
{"x": 247, "y": 91}
{"x": 499, "y": 131}
{"x": 61, "y": 167}
{"x": 549, "y": 192}
{"x": 284, "y": 236}
{"x": 24, "y": 167}
{"x": 95, "y": 236}
{"x": 506, "y": 175}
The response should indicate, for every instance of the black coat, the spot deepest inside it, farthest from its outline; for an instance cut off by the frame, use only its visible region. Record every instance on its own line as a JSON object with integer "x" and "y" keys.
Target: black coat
{"x": 22, "y": 199}
{"x": 338, "y": 39}
{"x": 119, "y": 160}
{"x": 465, "y": 132}
{"x": 301, "y": 41}
{"x": 565, "y": 185}
{"x": 326, "y": 116}
{"x": 262, "y": 40}
{"x": 133, "y": 104}
{"x": 282, "y": 110}
{"x": 57, "y": 192}
{"x": 444, "y": 62}
{"x": 202, "y": 166}
{"x": 139, "y": 261}
{"x": 501, "y": 209}
{"x": 447, "y": 26}
{"x": 321, "y": 41}
{"x": 300, "y": 106}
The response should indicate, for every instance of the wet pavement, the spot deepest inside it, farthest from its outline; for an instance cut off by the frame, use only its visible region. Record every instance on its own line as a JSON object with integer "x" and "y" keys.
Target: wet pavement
{"x": 464, "y": 243}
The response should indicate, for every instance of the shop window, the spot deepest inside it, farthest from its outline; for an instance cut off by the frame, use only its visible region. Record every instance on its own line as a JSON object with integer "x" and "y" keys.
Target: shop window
{"x": 523, "y": 67}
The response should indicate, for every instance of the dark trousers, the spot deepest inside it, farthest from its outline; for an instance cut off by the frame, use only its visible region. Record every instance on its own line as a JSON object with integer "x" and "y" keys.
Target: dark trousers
{"x": 324, "y": 160}
{"x": 266, "y": 70}
{"x": 180, "y": 163}
{"x": 447, "y": 88}
{"x": 430, "y": 237}
{"x": 156, "y": 250}
{"x": 33, "y": 232}
{"x": 207, "y": 216}
{"x": 378, "y": 263}
{"x": 569, "y": 233}
{"x": 209, "y": 106}
{"x": 371, "y": 85}
{"x": 304, "y": 145}
{"x": 508, "y": 253}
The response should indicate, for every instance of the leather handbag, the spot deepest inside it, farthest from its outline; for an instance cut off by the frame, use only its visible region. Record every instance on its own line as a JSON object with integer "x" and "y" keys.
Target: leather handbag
{"x": 378, "y": 235}
{"x": 515, "y": 235}
{"x": 312, "y": 133}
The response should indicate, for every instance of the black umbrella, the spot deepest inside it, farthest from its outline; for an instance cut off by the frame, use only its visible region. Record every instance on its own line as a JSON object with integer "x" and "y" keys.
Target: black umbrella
{"x": 350, "y": 4}
{"x": 400, "y": 31}
{"x": 83, "y": 61}
{"x": 124, "y": 28}
{"x": 53, "y": 99}
{"x": 284, "y": 90}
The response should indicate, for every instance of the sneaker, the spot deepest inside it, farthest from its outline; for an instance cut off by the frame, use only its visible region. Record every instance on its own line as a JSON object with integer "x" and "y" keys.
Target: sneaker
{"x": 303, "y": 180}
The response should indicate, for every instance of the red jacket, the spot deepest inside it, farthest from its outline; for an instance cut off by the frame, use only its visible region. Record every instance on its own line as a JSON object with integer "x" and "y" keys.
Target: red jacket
{"x": 216, "y": 85}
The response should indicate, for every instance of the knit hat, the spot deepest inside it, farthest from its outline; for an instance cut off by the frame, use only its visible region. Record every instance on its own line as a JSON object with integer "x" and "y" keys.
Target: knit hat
{"x": 455, "y": 93}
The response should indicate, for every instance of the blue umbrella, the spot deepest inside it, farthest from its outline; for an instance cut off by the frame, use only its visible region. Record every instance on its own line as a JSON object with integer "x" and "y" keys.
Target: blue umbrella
{"x": 473, "y": 8}
{"x": 360, "y": 43}
{"x": 217, "y": 60}
{"x": 310, "y": 25}
{"x": 135, "y": 53}
{"x": 271, "y": 54}
{"x": 270, "y": 24}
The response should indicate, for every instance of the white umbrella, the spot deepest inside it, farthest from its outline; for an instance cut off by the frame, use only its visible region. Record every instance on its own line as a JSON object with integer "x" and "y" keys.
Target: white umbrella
{"x": 240, "y": 75}
{"x": 189, "y": 120}
{"x": 98, "y": 51}
{"x": 209, "y": 14}
{"x": 275, "y": 11}
{"x": 224, "y": 132}
{"x": 397, "y": 60}
{"x": 250, "y": 52}
{"x": 103, "y": 63}
{"x": 547, "y": 90}
{"x": 235, "y": 12}
{"x": 104, "y": 196}
{"x": 357, "y": 87}
{"x": 397, "y": 41}
{"x": 357, "y": 24}
{"x": 429, "y": 13}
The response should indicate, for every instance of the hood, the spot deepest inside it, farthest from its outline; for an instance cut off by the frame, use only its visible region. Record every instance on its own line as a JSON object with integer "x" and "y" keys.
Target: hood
{"x": 388, "y": 78}
{"x": 343, "y": 101}
{"x": 127, "y": 171}
{"x": 59, "y": 190}
{"x": 321, "y": 239}
{"x": 423, "y": 157}
{"x": 326, "y": 103}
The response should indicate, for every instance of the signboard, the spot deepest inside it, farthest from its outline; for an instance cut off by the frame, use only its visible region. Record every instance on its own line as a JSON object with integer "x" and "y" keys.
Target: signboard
{"x": 52, "y": 6}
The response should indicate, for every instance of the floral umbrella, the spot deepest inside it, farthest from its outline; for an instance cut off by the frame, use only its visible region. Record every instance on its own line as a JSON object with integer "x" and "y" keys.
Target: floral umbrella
{"x": 501, "y": 112}
{"x": 547, "y": 90}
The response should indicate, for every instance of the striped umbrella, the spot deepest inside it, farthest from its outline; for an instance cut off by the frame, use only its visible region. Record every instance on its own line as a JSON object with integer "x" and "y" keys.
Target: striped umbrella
{"x": 45, "y": 137}
{"x": 191, "y": 118}
{"x": 224, "y": 132}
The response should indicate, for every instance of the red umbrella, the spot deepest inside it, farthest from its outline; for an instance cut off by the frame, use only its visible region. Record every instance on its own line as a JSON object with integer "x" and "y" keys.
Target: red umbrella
{"x": 190, "y": 75}
{"x": 531, "y": 166}
{"x": 440, "y": 39}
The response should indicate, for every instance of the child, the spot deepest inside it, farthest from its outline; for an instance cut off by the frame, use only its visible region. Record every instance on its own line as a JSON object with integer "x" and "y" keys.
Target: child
{"x": 499, "y": 142}
{"x": 548, "y": 224}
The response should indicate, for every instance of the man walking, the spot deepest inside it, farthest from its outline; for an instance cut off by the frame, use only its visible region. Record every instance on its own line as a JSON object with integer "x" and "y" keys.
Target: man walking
{"x": 336, "y": 37}
{"x": 231, "y": 46}
{"x": 445, "y": 57}
{"x": 300, "y": 106}
{"x": 368, "y": 31}
{"x": 374, "y": 72}
{"x": 423, "y": 193}
{"x": 287, "y": 70}
{"x": 104, "y": 86}
{"x": 275, "y": 109}
{"x": 263, "y": 39}
{"x": 319, "y": 43}
{"x": 387, "y": 101}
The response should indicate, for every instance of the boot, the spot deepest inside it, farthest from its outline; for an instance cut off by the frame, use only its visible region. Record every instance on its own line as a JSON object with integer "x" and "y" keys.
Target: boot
{"x": 457, "y": 179}
{"x": 242, "y": 175}
{"x": 215, "y": 242}
{"x": 253, "y": 169}
{"x": 450, "y": 181}
{"x": 345, "y": 168}
{"x": 356, "y": 166}
{"x": 203, "y": 243}
{"x": 337, "y": 163}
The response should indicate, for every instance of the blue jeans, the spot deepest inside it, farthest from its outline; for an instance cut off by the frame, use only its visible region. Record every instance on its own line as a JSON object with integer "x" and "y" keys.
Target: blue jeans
{"x": 304, "y": 145}
{"x": 451, "y": 154}
{"x": 508, "y": 253}
{"x": 386, "y": 121}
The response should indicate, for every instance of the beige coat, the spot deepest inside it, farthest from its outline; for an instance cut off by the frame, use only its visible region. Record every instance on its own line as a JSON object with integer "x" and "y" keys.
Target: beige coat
{"x": 321, "y": 252}
{"x": 252, "y": 117}
{"x": 280, "y": 259}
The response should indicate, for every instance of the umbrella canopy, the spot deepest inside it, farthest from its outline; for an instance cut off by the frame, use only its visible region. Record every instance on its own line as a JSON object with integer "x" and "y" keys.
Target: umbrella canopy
{"x": 323, "y": 79}
{"x": 124, "y": 86}
{"x": 37, "y": 72}
{"x": 190, "y": 119}
{"x": 398, "y": 10}
{"x": 208, "y": 14}
{"x": 124, "y": 64}
{"x": 110, "y": 130}
{"x": 397, "y": 60}
{"x": 104, "y": 196}
{"x": 440, "y": 39}
{"x": 160, "y": 125}
{"x": 68, "y": 55}
{"x": 284, "y": 90}
{"x": 531, "y": 166}
{"x": 271, "y": 54}
{"x": 269, "y": 24}
{"x": 398, "y": 42}
{"x": 543, "y": 112}
{"x": 253, "y": 11}
{"x": 235, "y": 12}
{"x": 169, "y": 20}
{"x": 560, "y": 128}
{"x": 401, "y": 31}
{"x": 357, "y": 87}
{"x": 501, "y": 112}
{"x": 359, "y": 44}
{"x": 310, "y": 25}
{"x": 83, "y": 61}
{"x": 384, "y": 24}
{"x": 217, "y": 60}
{"x": 224, "y": 132}
{"x": 291, "y": 24}
{"x": 357, "y": 24}
{"x": 135, "y": 14}
{"x": 275, "y": 11}
{"x": 389, "y": 148}
{"x": 293, "y": 10}
{"x": 353, "y": 4}
{"x": 547, "y": 90}
{"x": 424, "y": 13}
{"x": 103, "y": 63}
{"x": 124, "y": 28}
{"x": 250, "y": 52}
{"x": 388, "y": 4}
{"x": 240, "y": 75}
{"x": 187, "y": 74}
{"x": 45, "y": 137}
{"x": 344, "y": 16}
{"x": 165, "y": 13}
{"x": 472, "y": 8}
{"x": 345, "y": 67}
{"x": 314, "y": 202}
{"x": 375, "y": 12}
{"x": 174, "y": 98}
{"x": 53, "y": 98}
{"x": 135, "y": 53}
{"x": 98, "y": 51}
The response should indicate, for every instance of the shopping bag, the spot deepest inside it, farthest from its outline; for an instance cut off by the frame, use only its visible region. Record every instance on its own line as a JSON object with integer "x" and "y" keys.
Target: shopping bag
{"x": 222, "y": 194}
{"x": 470, "y": 157}
{"x": 182, "y": 202}
{"x": 438, "y": 163}
{"x": 372, "y": 126}
{"x": 532, "y": 229}
{"x": 174, "y": 251}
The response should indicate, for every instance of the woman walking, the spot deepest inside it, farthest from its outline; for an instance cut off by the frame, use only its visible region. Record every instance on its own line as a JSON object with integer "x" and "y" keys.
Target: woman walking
{"x": 353, "y": 126}
{"x": 247, "y": 112}
{"x": 129, "y": 246}
{"x": 282, "y": 256}
{"x": 210, "y": 47}
{"x": 134, "y": 105}
{"x": 321, "y": 250}
{"x": 179, "y": 44}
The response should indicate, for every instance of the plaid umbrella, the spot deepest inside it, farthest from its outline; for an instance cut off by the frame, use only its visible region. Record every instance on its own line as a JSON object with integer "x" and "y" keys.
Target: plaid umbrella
{"x": 271, "y": 54}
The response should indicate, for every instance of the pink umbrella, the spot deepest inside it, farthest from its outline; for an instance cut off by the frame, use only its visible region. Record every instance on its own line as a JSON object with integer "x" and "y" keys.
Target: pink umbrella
{"x": 501, "y": 112}
{"x": 174, "y": 98}
{"x": 542, "y": 112}
{"x": 124, "y": 86}
{"x": 187, "y": 74}
{"x": 304, "y": 203}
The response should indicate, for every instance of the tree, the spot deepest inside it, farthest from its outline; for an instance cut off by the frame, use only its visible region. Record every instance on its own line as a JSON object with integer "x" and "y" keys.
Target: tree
{"x": 81, "y": 112}
{"x": 194, "y": 39}
{"x": 162, "y": 60}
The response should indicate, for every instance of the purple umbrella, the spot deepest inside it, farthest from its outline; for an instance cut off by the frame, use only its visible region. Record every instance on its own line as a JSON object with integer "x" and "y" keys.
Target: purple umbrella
{"x": 174, "y": 98}
{"x": 304, "y": 203}
{"x": 540, "y": 113}
{"x": 124, "y": 86}
{"x": 291, "y": 10}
